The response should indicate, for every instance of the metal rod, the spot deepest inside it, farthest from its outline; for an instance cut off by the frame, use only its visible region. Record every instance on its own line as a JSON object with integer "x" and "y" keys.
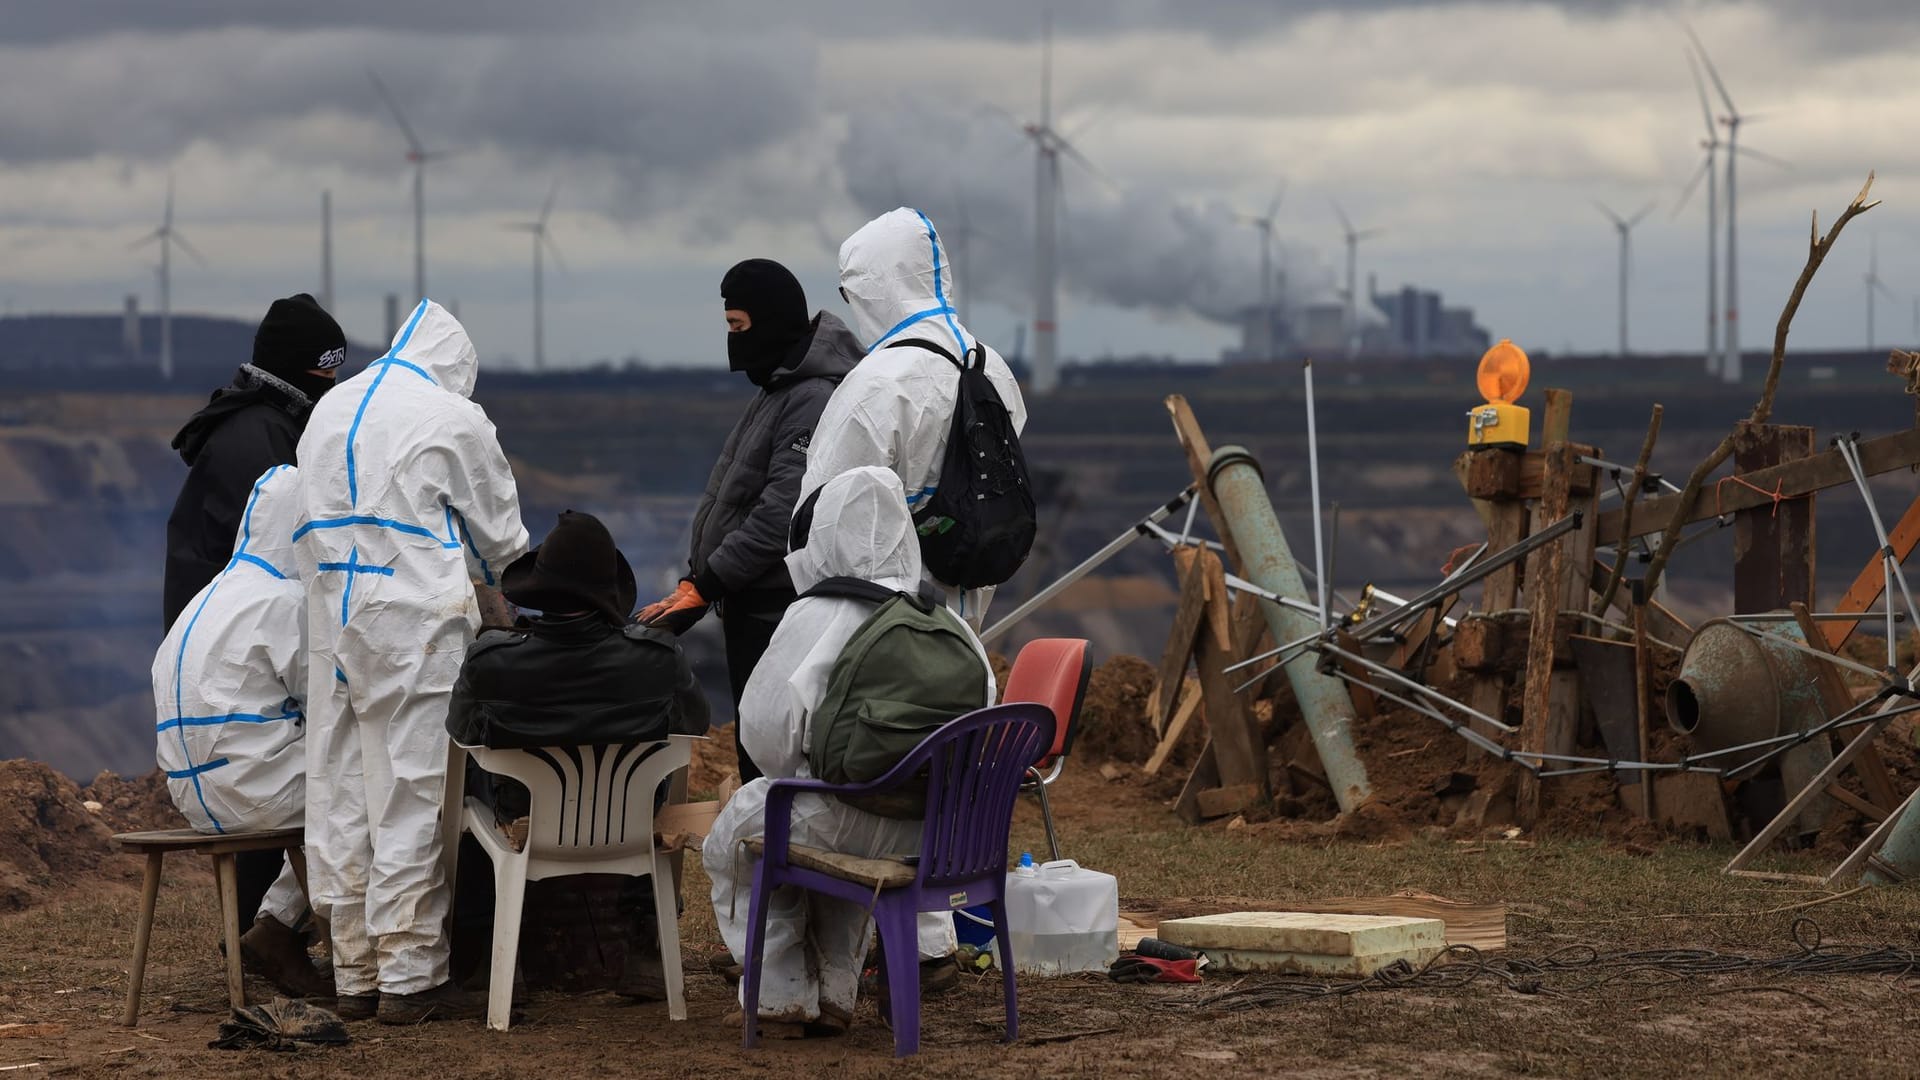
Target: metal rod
{"x": 1392, "y": 599}
{"x": 1809, "y": 792}
{"x": 1294, "y": 644}
{"x": 1821, "y": 653}
{"x": 1467, "y": 575}
{"x": 1820, "y": 616}
{"x": 1113, "y": 547}
{"x": 1845, "y": 720}
{"x": 1333, "y": 550}
{"x": 1417, "y": 687}
{"x": 1455, "y": 726}
{"x": 1265, "y": 675}
{"x": 1186, "y": 529}
{"x": 1313, "y": 482}
{"x": 1851, "y": 452}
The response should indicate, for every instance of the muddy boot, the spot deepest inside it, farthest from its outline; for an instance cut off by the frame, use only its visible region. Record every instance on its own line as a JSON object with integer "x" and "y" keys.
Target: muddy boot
{"x": 354, "y": 1007}
{"x": 443, "y": 1002}
{"x": 279, "y": 955}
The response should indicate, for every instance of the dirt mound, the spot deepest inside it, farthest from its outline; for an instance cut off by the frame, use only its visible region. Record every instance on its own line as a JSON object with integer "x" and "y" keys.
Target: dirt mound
{"x": 48, "y": 837}
{"x": 131, "y": 804}
{"x": 714, "y": 759}
{"x": 1113, "y": 722}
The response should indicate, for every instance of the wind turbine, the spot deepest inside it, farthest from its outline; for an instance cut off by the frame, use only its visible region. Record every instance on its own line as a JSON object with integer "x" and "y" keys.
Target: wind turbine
{"x": 538, "y": 228}
{"x": 326, "y": 250}
{"x": 1264, "y": 223}
{"x": 1874, "y": 284}
{"x": 1624, "y": 226}
{"x": 1048, "y": 146}
{"x": 961, "y": 232}
{"x": 1353, "y": 237}
{"x": 1730, "y": 364}
{"x": 167, "y": 236}
{"x": 418, "y": 155}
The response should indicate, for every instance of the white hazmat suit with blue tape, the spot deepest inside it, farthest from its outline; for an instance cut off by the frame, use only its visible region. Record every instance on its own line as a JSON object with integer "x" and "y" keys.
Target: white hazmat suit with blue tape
{"x": 409, "y": 499}
{"x": 815, "y": 943}
{"x": 228, "y": 683}
{"x": 895, "y": 408}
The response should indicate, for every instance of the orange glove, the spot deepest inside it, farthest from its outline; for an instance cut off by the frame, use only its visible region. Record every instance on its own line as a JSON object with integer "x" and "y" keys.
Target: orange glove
{"x": 685, "y": 598}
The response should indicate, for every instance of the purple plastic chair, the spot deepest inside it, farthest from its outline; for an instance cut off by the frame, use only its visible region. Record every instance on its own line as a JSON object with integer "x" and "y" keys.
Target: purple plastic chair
{"x": 974, "y": 767}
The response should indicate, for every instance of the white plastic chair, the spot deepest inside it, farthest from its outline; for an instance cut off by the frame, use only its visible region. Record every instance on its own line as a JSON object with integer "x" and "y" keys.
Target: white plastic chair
{"x": 591, "y": 813}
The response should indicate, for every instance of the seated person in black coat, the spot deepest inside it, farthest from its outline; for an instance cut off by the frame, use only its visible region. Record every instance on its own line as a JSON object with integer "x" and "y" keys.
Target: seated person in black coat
{"x": 578, "y": 672}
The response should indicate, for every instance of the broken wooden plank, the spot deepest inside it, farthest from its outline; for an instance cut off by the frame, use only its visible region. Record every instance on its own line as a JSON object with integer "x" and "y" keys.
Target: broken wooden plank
{"x": 1793, "y": 478}
{"x": 1239, "y": 751}
{"x": 1189, "y": 704}
{"x": 1837, "y": 698}
{"x": 1186, "y": 626}
{"x": 1204, "y": 777}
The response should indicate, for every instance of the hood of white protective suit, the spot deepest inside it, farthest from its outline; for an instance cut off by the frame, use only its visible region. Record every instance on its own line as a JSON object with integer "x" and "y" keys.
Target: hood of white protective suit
{"x": 434, "y": 341}
{"x": 899, "y": 284}
{"x": 274, "y": 510}
{"x": 860, "y": 529}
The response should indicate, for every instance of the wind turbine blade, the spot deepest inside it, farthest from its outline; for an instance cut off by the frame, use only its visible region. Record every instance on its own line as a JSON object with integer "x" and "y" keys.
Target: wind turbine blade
{"x": 1607, "y": 210}
{"x": 1273, "y": 208}
{"x": 1881, "y": 288}
{"x": 1700, "y": 87}
{"x": 1368, "y": 234}
{"x": 167, "y": 221}
{"x": 413, "y": 141}
{"x": 1687, "y": 192}
{"x": 1100, "y": 113}
{"x": 547, "y": 207}
{"x": 522, "y": 226}
{"x": 1712, "y": 72}
{"x": 1643, "y": 212}
{"x": 1761, "y": 155}
{"x": 1073, "y": 152}
{"x": 189, "y": 248}
{"x": 554, "y": 250}
{"x": 147, "y": 239}
{"x": 1345, "y": 224}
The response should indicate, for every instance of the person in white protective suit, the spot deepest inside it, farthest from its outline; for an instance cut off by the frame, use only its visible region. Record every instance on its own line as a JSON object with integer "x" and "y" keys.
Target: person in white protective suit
{"x": 228, "y": 686}
{"x": 409, "y": 500}
{"x": 895, "y": 408}
{"x": 815, "y": 944}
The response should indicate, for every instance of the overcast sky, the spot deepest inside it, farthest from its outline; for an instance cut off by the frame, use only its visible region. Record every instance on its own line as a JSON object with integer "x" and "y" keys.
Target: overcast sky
{"x": 684, "y": 137}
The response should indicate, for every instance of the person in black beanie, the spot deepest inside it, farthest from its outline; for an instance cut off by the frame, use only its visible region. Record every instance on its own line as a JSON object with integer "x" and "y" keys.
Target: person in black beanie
{"x": 737, "y": 560}
{"x": 246, "y": 428}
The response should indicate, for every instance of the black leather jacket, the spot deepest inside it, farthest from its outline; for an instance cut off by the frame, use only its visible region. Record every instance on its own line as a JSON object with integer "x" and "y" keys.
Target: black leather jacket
{"x": 574, "y": 680}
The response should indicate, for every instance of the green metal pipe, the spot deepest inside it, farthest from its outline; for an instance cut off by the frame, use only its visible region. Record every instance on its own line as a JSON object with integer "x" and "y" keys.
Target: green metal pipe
{"x": 1325, "y": 704}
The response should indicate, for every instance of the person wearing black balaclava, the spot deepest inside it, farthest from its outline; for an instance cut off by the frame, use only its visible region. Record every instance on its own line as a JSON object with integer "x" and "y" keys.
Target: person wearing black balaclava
{"x": 248, "y": 427}
{"x": 736, "y": 564}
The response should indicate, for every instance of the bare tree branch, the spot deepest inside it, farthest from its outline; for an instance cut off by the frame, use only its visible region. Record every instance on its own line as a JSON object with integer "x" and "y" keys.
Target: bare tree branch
{"x": 1626, "y": 514}
{"x": 1817, "y": 249}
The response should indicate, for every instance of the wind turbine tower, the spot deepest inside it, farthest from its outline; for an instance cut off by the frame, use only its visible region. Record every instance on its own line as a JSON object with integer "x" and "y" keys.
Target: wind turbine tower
{"x": 418, "y": 155}
{"x": 1353, "y": 237}
{"x": 1711, "y": 144}
{"x": 167, "y": 237}
{"x": 326, "y": 250}
{"x": 1730, "y": 365}
{"x": 1874, "y": 284}
{"x": 1265, "y": 224}
{"x": 1624, "y": 226}
{"x": 538, "y": 229}
{"x": 1048, "y": 146}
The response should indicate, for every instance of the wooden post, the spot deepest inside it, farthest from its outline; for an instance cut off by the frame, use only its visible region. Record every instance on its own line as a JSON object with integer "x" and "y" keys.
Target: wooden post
{"x": 143, "y": 936}
{"x": 1643, "y": 693}
{"x": 1773, "y": 552}
{"x": 1541, "y": 725}
{"x": 1492, "y": 478}
{"x": 228, "y": 874}
{"x": 1239, "y": 754}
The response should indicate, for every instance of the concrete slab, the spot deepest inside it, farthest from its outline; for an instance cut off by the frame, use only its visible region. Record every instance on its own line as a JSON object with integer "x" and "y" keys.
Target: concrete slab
{"x": 1308, "y": 942}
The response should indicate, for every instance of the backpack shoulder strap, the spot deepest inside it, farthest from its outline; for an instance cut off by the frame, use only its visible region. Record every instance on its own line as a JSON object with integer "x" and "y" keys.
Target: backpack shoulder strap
{"x": 853, "y": 588}
{"x": 923, "y": 343}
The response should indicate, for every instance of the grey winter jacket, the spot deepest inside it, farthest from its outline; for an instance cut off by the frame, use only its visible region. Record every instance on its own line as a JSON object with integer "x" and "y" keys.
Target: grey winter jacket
{"x": 740, "y": 530}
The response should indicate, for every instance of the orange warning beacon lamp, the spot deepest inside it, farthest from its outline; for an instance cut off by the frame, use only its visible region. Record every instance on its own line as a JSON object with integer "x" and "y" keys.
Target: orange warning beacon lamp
{"x": 1503, "y": 378}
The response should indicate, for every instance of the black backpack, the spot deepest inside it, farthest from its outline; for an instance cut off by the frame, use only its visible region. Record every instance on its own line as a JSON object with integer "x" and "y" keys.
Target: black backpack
{"x": 978, "y": 525}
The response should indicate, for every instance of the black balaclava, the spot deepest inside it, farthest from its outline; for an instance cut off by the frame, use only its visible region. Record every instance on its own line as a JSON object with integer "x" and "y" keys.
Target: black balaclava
{"x": 296, "y": 337}
{"x": 773, "y": 298}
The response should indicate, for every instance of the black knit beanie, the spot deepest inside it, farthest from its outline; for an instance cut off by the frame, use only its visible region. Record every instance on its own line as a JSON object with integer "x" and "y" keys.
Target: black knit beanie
{"x": 298, "y": 336}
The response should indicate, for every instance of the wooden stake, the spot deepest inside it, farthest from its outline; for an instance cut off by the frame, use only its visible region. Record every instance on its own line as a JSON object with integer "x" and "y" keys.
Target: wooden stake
{"x": 1545, "y": 594}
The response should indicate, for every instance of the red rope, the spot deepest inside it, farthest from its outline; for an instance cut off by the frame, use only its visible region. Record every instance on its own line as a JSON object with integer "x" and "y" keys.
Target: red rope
{"x": 1775, "y": 494}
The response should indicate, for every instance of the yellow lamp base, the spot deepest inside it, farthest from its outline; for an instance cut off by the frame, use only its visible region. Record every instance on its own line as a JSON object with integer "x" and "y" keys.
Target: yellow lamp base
{"x": 1494, "y": 424}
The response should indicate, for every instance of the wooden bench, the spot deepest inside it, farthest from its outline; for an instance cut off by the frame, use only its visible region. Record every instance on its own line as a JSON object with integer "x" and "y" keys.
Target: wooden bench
{"x": 222, "y": 847}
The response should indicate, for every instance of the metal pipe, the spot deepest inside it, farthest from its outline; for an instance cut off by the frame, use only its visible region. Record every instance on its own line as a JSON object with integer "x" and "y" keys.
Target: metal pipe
{"x": 1392, "y": 599}
{"x": 1467, "y": 575}
{"x": 1478, "y": 740}
{"x": 1325, "y": 705}
{"x": 1821, "y": 653}
{"x": 1114, "y": 547}
{"x": 1818, "y": 616}
{"x": 1851, "y": 452}
{"x": 1313, "y": 482}
{"x": 1417, "y": 687}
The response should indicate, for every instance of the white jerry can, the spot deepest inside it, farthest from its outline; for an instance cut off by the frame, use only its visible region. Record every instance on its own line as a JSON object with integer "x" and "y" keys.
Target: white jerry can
{"x": 1062, "y": 919}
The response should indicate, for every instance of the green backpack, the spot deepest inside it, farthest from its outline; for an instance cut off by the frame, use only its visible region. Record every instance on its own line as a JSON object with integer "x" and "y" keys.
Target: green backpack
{"x": 908, "y": 670}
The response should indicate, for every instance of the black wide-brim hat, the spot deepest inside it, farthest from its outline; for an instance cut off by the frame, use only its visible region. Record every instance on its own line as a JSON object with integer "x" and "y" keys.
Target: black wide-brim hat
{"x": 576, "y": 566}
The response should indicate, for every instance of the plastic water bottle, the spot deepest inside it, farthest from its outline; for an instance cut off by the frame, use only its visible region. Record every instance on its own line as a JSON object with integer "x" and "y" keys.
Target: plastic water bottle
{"x": 1025, "y": 866}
